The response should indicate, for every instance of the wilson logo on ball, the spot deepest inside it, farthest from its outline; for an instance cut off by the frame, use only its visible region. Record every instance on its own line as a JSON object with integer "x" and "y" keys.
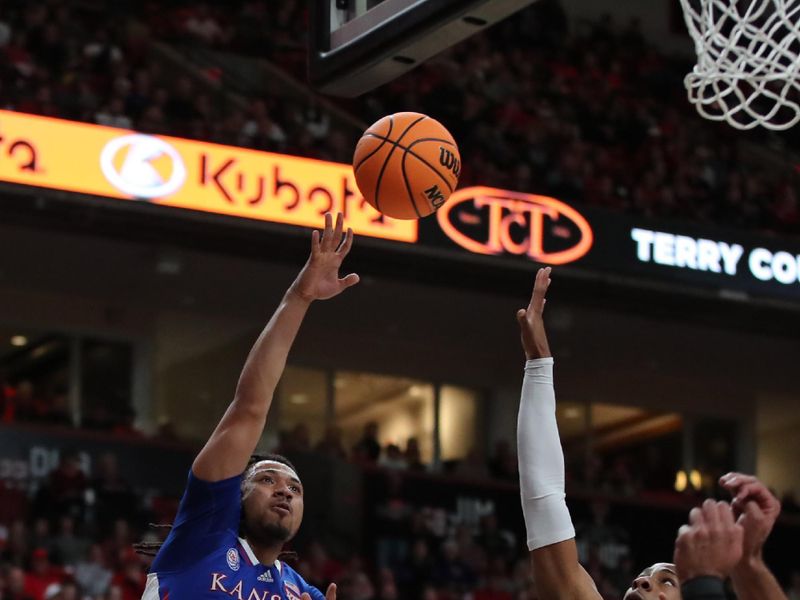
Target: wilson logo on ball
{"x": 488, "y": 220}
{"x": 449, "y": 161}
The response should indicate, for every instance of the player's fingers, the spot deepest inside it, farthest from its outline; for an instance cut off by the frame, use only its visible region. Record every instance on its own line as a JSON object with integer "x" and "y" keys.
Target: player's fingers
{"x": 732, "y": 481}
{"x": 736, "y": 475}
{"x": 695, "y": 516}
{"x": 684, "y": 535}
{"x": 711, "y": 513}
{"x": 349, "y": 280}
{"x": 347, "y": 243}
{"x": 751, "y": 511}
{"x": 521, "y": 316}
{"x": 725, "y": 515}
{"x": 337, "y": 232}
{"x": 305, "y": 596}
{"x": 542, "y": 279}
{"x": 314, "y": 241}
{"x": 756, "y": 492}
{"x": 327, "y": 235}
{"x": 330, "y": 594}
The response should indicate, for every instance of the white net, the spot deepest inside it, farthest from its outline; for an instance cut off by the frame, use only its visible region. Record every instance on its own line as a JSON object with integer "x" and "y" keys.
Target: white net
{"x": 748, "y": 61}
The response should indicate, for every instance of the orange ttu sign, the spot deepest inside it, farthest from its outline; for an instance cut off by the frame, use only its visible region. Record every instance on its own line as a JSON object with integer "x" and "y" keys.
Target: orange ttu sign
{"x": 488, "y": 220}
{"x": 125, "y": 165}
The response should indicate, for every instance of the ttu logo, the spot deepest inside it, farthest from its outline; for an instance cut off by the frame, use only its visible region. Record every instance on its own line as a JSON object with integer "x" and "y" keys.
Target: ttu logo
{"x": 142, "y": 166}
{"x": 488, "y": 220}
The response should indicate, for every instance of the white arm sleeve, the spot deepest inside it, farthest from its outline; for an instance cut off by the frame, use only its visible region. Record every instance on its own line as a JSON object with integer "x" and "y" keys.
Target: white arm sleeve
{"x": 541, "y": 460}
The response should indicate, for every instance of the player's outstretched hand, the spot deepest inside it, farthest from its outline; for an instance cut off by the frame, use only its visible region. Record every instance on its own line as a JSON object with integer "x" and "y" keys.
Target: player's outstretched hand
{"x": 711, "y": 544}
{"x": 531, "y": 323}
{"x": 319, "y": 279}
{"x": 755, "y": 509}
{"x": 329, "y": 595}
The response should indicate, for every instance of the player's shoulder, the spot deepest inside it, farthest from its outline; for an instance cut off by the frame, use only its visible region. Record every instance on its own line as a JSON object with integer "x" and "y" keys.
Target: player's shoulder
{"x": 294, "y": 582}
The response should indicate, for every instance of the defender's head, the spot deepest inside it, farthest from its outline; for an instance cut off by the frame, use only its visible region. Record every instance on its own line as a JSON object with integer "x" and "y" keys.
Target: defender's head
{"x": 657, "y": 582}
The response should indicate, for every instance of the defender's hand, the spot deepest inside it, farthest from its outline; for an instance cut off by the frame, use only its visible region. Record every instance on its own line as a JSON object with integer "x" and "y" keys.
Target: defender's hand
{"x": 319, "y": 279}
{"x": 711, "y": 545}
{"x": 531, "y": 324}
{"x": 755, "y": 509}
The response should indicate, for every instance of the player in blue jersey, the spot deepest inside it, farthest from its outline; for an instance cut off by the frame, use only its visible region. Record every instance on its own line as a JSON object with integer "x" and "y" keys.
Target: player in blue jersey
{"x": 237, "y": 513}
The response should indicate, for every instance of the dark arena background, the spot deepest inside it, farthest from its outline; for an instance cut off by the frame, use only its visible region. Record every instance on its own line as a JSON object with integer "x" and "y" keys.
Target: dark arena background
{"x": 162, "y": 164}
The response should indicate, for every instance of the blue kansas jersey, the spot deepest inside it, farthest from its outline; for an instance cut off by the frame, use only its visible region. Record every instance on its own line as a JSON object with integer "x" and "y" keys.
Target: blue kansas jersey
{"x": 203, "y": 556}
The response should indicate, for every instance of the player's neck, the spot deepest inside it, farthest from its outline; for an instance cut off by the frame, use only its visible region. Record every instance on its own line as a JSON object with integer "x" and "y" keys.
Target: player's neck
{"x": 266, "y": 554}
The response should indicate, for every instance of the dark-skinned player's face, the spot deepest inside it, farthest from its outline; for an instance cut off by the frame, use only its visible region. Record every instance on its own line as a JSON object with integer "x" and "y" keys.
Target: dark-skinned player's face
{"x": 659, "y": 582}
{"x": 272, "y": 503}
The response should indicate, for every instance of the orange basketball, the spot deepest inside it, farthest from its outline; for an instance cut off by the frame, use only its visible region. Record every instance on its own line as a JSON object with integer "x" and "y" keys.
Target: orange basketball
{"x": 407, "y": 165}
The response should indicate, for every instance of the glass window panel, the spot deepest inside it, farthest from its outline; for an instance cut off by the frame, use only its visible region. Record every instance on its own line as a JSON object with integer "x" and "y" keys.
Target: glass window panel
{"x": 572, "y": 427}
{"x": 34, "y": 376}
{"x": 635, "y": 448}
{"x": 458, "y": 417}
{"x": 715, "y": 449}
{"x": 106, "y": 384}
{"x": 401, "y": 408}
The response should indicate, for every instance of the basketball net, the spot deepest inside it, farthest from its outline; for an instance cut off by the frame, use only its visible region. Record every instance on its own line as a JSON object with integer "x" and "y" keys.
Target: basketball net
{"x": 747, "y": 61}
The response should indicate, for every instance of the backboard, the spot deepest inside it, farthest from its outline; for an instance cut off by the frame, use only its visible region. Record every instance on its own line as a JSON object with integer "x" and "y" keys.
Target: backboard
{"x": 358, "y": 45}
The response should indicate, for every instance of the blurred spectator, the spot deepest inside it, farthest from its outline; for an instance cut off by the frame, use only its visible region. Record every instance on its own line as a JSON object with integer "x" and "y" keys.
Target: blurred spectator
{"x": 494, "y": 540}
{"x": 64, "y": 491}
{"x": 322, "y": 567}
{"x": 68, "y": 548}
{"x": 131, "y": 577}
{"x": 125, "y": 424}
{"x": 451, "y": 572}
{"x": 92, "y": 574}
{"x": 42, "y": 574}
{"x": 203, "y": 26}
{"x": 368, "y": 448}
{"x": 113, "y": 495}
{"x": 472, "y": 466}
{"x": 417, "y": 570}
{"x": 503, "y": 464}
{"x": 40, "y": 535}
{"x": 15, "y": 584}
{"x": 331, "y": 444}
{"x": 793, "y": 592}
{"x": 393, "y": 458}
{"x": 412, "y": 455}
{"x": 604, "y": 546}
{"x": 113, "y": 115}
{"x": 393, "y": 512}
{"x": 17, "y": 545}
{"x": 7, "y": 402}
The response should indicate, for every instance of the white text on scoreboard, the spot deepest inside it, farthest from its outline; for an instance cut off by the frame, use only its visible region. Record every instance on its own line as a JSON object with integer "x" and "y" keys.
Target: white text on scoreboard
{"x": 714, "y": 256}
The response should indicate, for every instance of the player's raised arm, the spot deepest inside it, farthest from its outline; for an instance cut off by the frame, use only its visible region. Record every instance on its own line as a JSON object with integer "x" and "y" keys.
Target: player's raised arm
{"x": 233, "y": 441}
{"x": 550, "y": 533}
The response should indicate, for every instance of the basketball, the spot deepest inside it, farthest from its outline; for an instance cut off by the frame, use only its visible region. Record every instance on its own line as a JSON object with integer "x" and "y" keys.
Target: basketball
{"x": 407, "y": 165}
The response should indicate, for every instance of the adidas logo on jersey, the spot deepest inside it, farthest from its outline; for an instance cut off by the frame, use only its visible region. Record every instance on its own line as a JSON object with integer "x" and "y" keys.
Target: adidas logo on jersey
{"x": 265, "y": 577}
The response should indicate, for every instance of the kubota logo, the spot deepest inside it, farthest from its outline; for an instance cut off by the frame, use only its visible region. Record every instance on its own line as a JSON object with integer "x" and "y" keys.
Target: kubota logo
{"x": 492, "y": 221}
{"x": 142, "y": 166}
